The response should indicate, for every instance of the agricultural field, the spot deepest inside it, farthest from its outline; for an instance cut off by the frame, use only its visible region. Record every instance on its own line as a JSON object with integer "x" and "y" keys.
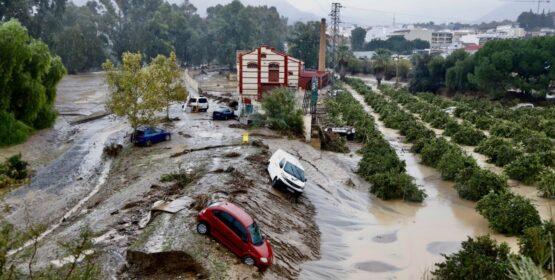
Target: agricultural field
{"x": 457, "y": 145}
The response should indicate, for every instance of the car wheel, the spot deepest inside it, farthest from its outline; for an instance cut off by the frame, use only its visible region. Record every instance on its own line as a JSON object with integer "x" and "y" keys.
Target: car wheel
{"x": 248, "y": 261}
{"x": 202, "y": 228}
{"x": 274, "y": 182}
{"x": 148, "y": 143}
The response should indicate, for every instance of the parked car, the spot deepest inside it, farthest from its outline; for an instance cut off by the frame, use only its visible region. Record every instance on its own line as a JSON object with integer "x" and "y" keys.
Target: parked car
{"x": 285, "y": 169}
{"x": 348, "y": 132}
{"x": 223, "y": 113}
{"x": 450, "y": 110}
{"x": 523, "y": 106}
{"x": 146, "y": 136}
{"x": 237, "y": 231}
{"x": 198, "y": 104}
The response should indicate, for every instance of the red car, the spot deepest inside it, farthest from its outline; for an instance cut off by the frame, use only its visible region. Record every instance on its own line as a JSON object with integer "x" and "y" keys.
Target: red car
{"x": 237, "y": 231}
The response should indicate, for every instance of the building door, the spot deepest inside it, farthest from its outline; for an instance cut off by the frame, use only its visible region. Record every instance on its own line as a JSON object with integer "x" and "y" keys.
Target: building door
{"x": 273, "y": 74}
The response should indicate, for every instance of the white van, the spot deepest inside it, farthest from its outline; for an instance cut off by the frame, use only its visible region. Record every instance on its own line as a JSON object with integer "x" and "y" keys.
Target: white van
{"x": 199, "y": 104}
{"x": 285, "y": 169}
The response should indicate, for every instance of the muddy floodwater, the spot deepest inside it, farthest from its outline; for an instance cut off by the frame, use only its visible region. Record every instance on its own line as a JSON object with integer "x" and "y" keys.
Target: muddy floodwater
{"x": 361, "y": 237}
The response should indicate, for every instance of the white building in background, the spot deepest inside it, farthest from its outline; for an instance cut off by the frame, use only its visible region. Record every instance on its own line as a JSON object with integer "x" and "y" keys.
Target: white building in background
{"x": 364, "y": 55}
{"x": 437, "y": 39}
{"x": 379, "y": 33}
{"x": 458, "y": 34}
{"x": 510, "y": 32}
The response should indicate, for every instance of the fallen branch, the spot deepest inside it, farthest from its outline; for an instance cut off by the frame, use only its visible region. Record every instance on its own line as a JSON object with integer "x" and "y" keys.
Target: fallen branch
{"x": 187, "y": 151}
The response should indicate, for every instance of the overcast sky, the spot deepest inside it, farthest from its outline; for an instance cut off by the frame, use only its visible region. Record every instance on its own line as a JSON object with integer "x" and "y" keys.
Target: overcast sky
{"x": 417, "y": 10}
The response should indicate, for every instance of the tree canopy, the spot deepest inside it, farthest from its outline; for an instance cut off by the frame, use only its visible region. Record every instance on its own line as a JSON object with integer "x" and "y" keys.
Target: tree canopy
{"x": 29, "y": 74}
{"x": 304, "y": 42}
{"x": 358, "y": 36}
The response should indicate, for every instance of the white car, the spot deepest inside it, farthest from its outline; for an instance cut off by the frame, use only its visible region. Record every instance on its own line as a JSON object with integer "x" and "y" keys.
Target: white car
{"x": 285, "y": 169}
{"x": 199, "y": 104}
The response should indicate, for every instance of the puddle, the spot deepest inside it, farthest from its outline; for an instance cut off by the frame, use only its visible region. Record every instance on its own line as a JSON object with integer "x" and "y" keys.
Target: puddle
{"x": 375, "y": 266}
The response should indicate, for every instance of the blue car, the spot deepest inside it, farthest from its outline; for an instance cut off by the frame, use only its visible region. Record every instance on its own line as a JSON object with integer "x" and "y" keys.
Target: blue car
{"x": 147, "y": 136}
{"x": 223, "y": 113}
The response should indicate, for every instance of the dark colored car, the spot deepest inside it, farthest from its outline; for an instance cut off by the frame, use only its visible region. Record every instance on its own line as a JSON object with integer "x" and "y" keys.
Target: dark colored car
{"x": 237, "y": 231}
{"x": 223, "y": 113}
{"x": 147, "y": 136}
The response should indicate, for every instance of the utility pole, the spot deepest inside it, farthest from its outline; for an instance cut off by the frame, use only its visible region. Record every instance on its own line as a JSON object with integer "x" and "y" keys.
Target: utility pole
{"x": 335, "y": 16}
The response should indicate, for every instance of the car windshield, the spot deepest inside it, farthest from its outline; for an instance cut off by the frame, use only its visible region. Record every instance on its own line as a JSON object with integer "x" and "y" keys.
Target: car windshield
{"x": 193, "y": 100}
{"x": 202, "y": 100}
{"x": 294, "y": 171}
{"x": 256, "y": 237}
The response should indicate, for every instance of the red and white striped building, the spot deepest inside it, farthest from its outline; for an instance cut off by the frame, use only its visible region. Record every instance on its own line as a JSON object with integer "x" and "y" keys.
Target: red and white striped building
{"x": 263, "y": 69}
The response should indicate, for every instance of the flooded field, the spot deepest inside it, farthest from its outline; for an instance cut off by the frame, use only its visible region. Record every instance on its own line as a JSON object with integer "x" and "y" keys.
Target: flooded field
{"x": 337, "y": 230}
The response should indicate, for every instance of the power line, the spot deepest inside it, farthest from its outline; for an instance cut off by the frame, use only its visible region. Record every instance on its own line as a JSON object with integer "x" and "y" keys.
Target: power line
{"x": 335, "y": 16}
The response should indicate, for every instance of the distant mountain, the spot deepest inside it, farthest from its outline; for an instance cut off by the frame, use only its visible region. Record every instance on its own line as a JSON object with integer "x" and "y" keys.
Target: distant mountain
{"x": 283, "y": 6}
{"x": 512, "y": 10}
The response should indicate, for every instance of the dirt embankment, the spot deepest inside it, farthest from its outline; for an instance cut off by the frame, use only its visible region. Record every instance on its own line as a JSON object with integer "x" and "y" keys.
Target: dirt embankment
{"x": 169, "y": 247}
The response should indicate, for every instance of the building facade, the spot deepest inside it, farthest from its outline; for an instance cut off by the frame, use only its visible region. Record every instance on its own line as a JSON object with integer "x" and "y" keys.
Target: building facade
{"x": 263, "y": 69}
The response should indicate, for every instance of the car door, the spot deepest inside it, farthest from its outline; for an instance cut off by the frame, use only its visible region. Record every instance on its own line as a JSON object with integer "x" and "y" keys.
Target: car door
{"x": 226, "y": 234}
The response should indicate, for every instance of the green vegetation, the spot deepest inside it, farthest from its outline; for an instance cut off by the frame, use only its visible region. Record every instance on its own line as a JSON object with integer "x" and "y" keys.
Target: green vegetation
{"x": 546, "y": 184}
{"x": 480, "y": 258}
{"x": 508, "y": 213}
{"x": 180, "y": 178}
{"x": 499, "y": 67}
{"x": 468, "y": 135}
{"x": 13, "y": 172}
{"x": 380, "y": 164}
{"x": 523, "y": 268}
{"x": 281, "y": 113}
{"x": 358, "y": 35}
{"x": 138, "y": 92}
{"x": 531, "y": 21}
{"x": 499, "y": 151}
{"x": 525, "y": 168}
{"x": 474, "y": 183}
{"x": 86, "y": 35}
{"x": 397, "y": 44}
{"x": 537, "y": 243}
{"x": 29, "y": 74}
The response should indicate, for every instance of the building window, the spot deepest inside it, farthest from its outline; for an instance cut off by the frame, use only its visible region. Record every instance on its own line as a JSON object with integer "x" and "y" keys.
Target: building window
{"x": 273, "y": 74}
{"x": 252, "y": 65}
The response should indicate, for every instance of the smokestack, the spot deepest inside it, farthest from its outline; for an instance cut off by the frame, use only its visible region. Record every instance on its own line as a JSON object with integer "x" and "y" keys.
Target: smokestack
{"x": 323, "y": 45}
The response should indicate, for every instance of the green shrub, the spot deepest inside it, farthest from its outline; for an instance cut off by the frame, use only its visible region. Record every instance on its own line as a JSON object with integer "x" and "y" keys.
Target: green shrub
{"x": 451, "y": 127}
{"x": 505, "y": 130}
{"x": 508, "y": 213}
{"x": 536, "y": 143}
{"x": 474, "y": 183}
{"x": 480, "y": 259}
{"x": 433, "y": 150}
{"x": 467, "y": 135}
{"x": 180, "y": 178}
{"x": 16, "y": 168}
{"x": 536, "y": 243}
{"x": 454, "y": 162}
{"x": 546, "y": 184}
{"x": 525, "y": 168}
{"x": 12, "y": 131}
{"x": 499, "y": 151}
{"x": 45, "y": 118}
{"x": 281, "y": 112}
{"x": 396, "y": 186}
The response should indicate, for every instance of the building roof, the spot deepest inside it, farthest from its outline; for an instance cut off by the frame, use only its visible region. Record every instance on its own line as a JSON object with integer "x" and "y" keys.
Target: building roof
{"x": 472, "y": 47}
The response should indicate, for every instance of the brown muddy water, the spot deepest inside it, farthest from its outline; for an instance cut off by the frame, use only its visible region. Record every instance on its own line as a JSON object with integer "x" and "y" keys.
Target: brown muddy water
{"x": 366, "y": 238}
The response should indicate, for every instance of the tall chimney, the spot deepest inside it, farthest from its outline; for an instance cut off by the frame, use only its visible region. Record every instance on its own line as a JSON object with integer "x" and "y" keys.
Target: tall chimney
{"x": 323, "y": 45}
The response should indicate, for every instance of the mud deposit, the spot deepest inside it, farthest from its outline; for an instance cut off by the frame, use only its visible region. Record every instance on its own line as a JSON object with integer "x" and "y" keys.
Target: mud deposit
{"x": 80, "y": 188}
